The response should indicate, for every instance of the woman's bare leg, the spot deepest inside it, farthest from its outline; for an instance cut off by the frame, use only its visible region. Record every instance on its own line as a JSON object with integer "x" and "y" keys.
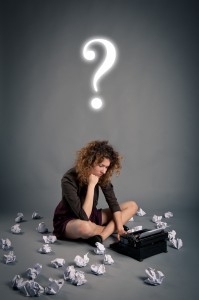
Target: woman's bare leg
{"x": 85, "y": 229}
{"x": 82, "y": 229}
{"x": 128, "y": 210}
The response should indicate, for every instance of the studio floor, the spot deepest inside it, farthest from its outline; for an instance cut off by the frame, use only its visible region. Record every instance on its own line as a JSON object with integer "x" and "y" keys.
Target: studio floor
{"x": 125, "y": 279}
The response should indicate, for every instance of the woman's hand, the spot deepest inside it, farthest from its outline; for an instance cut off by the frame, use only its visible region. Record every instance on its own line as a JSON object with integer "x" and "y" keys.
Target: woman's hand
{"x": 120, "y": 231}
{"x": 93, "y": 180}
{"x": 88, "y": 203}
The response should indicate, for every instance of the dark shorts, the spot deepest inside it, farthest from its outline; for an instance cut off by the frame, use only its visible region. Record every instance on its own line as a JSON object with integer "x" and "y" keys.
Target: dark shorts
{"x": 61, "y": 219}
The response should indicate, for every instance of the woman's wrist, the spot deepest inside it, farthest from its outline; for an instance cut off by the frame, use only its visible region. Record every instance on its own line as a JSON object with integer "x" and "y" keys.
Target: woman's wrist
{"x": 91, "y": 185}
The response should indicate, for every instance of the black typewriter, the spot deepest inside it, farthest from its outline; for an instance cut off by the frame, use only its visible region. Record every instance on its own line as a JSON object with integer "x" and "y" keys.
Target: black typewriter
{"x": 142, "y": 244}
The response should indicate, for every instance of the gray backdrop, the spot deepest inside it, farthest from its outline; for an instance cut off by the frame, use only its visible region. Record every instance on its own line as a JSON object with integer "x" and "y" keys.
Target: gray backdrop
{"x": 151, "y": 99}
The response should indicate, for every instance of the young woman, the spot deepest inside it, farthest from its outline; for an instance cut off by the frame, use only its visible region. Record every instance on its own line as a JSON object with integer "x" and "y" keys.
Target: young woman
{"x": 77, "y": 215}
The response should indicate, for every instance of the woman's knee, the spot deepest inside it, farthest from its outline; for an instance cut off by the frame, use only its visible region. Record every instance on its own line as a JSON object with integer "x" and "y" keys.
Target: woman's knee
{"x": 85, "y": 229}
{"x": 133, "y": 206}
{"x": 78, "y": 229}
{"x": 130, "y": 207}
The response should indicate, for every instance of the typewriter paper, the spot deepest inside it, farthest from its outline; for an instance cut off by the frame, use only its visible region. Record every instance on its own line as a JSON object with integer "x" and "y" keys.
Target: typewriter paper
{"x": 140, "y": 212}
{"x": 98, "y": 269}
{"x": 58, "y": 262}
{"x": 154, "y": 277}
{"x": 100, "y": 249}
{"x": 171, "y": 235}
{"x": 156, "y": 219}
{"x": 17, "y": 282}
{"x": 45, "y": 249}
{"x": 161, "y": 225}
{"x": 5, "y": 244}
{"x": 16, "y": 229}
{"x": 19, "y": 218}
{"x": 168, "y": 214}
{"x": 176, "y": 243}
{"x": 42, "y": 228}
{"x": 50, "y": 239}
{"x": 54, "y": 286}
{"x": 9, "y": 258}
{"x": 108, "y": 259}
{"x": 134, "y": 229}
{"x": 36, "y": 216}
{"x": 81, "y": 261}
{"x": 32, "y": 273}
{"x": 31, "y": 288}
{"x": 73, "y": 276}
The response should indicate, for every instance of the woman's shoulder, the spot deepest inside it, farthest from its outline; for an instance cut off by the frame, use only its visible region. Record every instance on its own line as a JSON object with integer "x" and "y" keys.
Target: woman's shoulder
{"x": 70, "y": 174}
{"x": 108, "y": 186}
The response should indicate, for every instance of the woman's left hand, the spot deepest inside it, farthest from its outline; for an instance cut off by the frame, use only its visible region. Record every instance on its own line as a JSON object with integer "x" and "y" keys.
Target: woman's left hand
{"x": 120, "y": 231}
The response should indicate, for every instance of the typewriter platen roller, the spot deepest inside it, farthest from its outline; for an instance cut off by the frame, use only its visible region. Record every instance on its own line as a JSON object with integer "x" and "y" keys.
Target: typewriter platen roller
{"x": 142, "y": 244}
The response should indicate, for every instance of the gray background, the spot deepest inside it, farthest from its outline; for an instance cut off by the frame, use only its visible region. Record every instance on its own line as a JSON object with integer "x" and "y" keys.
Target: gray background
{"x": 151, "y": 99}
{"x": 150, "y": 116}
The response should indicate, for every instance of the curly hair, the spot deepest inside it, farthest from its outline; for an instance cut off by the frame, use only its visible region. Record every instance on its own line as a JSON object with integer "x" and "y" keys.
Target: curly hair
{"x": 93, "y": 154}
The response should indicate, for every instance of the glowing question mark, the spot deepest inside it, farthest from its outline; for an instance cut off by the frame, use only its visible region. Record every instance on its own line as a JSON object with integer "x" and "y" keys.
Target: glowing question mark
{"x": 108, "y": 62}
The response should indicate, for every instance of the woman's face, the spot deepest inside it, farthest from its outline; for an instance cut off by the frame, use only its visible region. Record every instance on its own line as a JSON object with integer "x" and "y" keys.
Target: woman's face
{"x": 101, "y": 168}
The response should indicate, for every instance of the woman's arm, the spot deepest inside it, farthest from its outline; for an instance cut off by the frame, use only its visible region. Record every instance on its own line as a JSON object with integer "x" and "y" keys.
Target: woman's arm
{"x": 117, "y": 216}
{"x": 110, "y": 197}
{"x": 88, "y": 203}
{"x": 71, "y": 197}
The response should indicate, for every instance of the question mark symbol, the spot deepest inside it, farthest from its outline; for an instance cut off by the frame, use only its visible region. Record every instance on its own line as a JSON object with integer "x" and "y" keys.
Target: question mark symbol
{"x": 110, "y": 59}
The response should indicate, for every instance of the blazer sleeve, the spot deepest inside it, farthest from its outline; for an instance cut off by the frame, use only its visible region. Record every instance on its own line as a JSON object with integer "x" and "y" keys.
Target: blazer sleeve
{"x": 71, "y": 198}
{"x": 110, "y": 197}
